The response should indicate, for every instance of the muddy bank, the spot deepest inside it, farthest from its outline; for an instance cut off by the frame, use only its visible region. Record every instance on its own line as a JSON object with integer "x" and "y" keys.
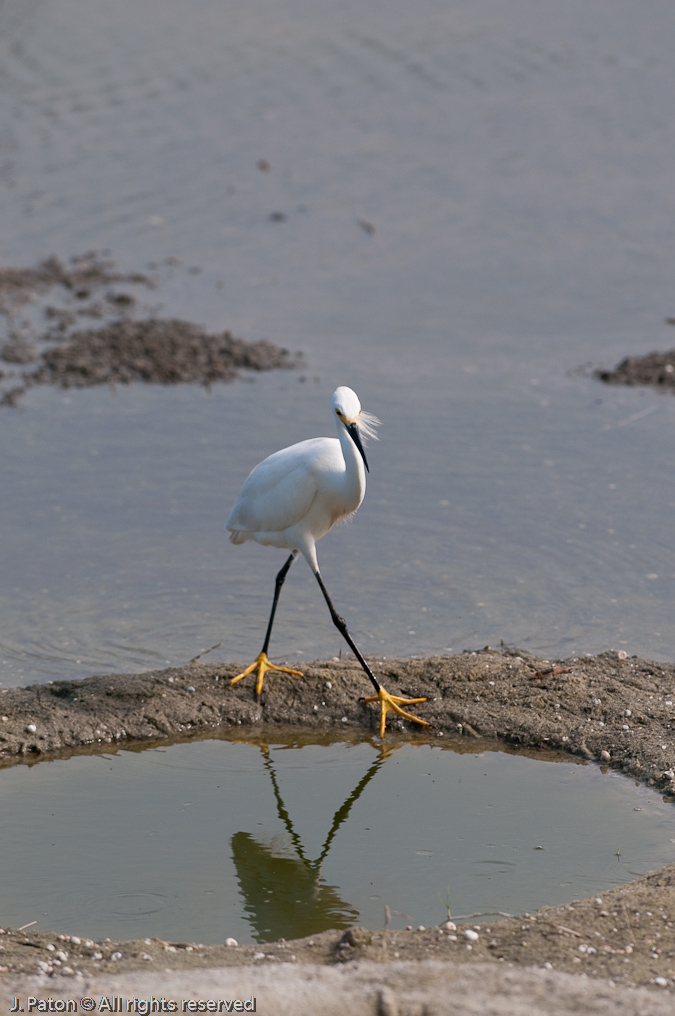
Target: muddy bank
{"x": 586, "y": 706}
{"x": 617, "y": 711}
{"x": 654, "y": 369}
{"x": 42, "y": 340}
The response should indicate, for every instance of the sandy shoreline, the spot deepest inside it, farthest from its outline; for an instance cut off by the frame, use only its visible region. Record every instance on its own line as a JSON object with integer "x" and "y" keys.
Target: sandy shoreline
{"x": 585, "y": 705}
{"x": 578, "y": 705}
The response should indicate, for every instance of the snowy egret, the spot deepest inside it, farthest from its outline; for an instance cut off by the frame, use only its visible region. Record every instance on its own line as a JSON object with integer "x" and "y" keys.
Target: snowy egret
{"x": 292, "y": 499}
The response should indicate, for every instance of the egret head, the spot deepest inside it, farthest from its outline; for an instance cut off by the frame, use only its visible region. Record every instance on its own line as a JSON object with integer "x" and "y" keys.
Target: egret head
{"x": 358, "y": 424}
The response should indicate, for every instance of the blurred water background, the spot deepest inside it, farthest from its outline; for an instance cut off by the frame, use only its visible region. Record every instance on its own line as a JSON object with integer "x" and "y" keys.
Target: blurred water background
{"x": 449, "y": 206}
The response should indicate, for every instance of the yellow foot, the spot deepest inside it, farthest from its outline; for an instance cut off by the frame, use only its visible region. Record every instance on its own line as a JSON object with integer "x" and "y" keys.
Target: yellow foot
{"x": 388, "y": 702}
{"x": 264, "y": 665}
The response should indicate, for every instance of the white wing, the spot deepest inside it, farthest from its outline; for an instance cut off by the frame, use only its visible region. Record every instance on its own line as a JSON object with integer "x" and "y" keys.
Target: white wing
{"x": 281, "y": 489}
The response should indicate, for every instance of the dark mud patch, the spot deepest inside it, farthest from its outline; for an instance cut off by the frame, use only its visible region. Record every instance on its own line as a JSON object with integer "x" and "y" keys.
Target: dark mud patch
{"x": 156, "y": 351}
{"x": 654, "y": 369}
{"x": 42, "y": 312}
{"x": 618, "y": 711}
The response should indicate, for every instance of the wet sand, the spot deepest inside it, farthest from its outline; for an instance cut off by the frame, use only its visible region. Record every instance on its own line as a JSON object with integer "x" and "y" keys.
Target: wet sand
{"x": 577, "y": 705}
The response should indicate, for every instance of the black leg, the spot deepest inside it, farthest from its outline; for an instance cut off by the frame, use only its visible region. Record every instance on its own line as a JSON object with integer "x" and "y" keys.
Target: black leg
{"x": 341, "y": 626}
{"x": 277, "y": 589}
{"x": 262, "y": 664}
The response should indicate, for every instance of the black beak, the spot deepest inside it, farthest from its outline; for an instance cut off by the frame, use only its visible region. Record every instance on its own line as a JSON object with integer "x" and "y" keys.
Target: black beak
{"x": 353, "y": 431}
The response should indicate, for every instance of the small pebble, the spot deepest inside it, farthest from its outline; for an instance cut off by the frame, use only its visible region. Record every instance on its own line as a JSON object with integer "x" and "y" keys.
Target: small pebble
{"x": 31, "y": 728}
{"x": 231, "y": 941}
{"x": 258, "y": 956}
{"x": 624, "y": 726}
{"x": 190, "y": 687}
{"x": 329, "y": 685}
{"x": 548, "y": 966}
{"x": 598, "y": 901}
{"x": 116, "y": 956}
{"x": 97, "y": 956}
{"x": 344, "y": 719}
{"x": 622, "y": 654}
{"x": 661, "y": 981}
{"x": 605, "y": 755}
{"x": 449, "y": 926}
{"x": 51, "y": 948}
{"x": 75, "y": 940}
{"x": 470, "y": 935}
{"x": 421, "y": 928}
{"x": 146, "y": 956}
{"x": 67, "y": 971}
{"x": 628, "y": 712}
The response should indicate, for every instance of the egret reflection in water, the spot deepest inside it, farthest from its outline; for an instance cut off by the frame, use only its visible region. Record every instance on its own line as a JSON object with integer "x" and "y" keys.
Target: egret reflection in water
{"x": 285, "y": 896}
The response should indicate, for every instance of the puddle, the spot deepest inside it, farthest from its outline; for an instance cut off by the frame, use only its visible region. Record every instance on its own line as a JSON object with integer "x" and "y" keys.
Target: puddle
{"x": 207, "y": 839}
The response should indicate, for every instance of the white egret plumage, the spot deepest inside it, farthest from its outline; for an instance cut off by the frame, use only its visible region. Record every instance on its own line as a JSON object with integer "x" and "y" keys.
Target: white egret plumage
{"x": 292, "y": 499}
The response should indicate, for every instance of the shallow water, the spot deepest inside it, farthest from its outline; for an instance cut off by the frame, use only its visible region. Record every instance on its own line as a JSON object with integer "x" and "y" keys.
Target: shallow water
{"x": 209, "y": 839}
{"x": 477, "y": 199}
{"x": 516, "y": 165}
